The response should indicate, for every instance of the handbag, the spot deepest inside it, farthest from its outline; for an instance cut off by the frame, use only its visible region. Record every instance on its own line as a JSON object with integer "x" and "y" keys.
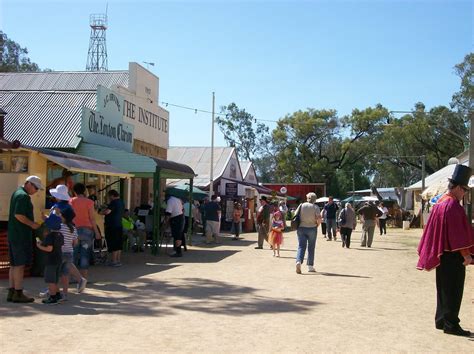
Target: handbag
{"x": 296, "y": 219}
{"x": 342, "y": 217}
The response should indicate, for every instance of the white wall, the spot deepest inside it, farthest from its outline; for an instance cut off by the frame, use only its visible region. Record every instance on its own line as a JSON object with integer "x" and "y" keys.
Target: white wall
{"x": 151, "y": 122}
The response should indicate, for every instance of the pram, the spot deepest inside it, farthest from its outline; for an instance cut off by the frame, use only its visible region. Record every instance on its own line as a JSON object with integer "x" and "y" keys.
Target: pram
{"x": 99, "y": 251}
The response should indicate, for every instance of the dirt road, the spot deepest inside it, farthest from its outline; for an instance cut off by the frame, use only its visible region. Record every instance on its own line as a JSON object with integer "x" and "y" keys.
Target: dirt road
{"x": 233, "y": 298}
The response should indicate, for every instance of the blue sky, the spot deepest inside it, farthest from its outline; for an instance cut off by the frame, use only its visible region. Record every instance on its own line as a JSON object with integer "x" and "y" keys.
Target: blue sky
{"x": 270, "y": 57}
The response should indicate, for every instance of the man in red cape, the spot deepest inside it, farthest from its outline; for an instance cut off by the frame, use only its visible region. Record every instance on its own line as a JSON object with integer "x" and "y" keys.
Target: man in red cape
{"x": 447, "y": 244}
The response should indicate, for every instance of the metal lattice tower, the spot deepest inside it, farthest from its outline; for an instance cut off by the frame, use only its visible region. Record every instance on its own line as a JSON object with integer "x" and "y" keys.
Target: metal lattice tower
{"x": 97, "y": 55}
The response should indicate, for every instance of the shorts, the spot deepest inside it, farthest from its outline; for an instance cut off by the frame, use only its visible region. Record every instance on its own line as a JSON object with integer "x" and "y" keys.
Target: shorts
{"x": 20, "y": 253}
{"x": 114, "y": 238}
{"x": 66, "y": 264}
{"x": 51, "y": 273}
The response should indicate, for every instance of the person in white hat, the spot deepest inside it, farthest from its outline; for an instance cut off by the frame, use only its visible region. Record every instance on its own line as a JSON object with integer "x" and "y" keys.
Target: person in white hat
{"x": 20, "y": 232}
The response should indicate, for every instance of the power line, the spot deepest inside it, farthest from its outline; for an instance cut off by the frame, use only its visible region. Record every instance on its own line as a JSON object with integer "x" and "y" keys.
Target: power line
{"x": 196, "y": 110}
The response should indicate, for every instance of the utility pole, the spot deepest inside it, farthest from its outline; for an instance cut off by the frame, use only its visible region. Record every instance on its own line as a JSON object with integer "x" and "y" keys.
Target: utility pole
{"x": 353, "y": 187}
{"x": 211, "y": 185}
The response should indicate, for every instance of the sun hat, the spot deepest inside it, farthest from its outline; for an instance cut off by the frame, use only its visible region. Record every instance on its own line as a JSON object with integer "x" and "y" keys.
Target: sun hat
{"x": 36, "y": 181}
{"x": 60, "y": 192}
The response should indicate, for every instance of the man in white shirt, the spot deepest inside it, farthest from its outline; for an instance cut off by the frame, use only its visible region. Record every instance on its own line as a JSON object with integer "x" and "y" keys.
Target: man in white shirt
{"x": 383, "y": 219}
{"x": 174, "y": 215}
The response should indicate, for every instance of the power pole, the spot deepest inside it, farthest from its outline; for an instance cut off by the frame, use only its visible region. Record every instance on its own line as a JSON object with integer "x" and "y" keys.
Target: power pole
{"x": 211, "y": 185}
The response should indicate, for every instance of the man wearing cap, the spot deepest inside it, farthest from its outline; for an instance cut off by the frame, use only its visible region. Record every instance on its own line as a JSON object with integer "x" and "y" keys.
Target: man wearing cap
{"x": 370, "y": 213}
{"x": 20, "y": 232}
{"x": 263, "y": 221}
{"x": 447, "y": 244}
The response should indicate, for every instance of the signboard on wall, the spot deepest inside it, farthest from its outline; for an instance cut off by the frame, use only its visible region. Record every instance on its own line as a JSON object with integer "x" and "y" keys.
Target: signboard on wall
{"x": 231, "y": 189}
{"x": 141, "y": 107}
{"x": 105, "y": 126}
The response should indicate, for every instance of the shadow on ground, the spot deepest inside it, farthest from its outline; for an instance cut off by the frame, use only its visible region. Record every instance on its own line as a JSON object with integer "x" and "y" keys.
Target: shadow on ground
{"x": 149, "y": 297}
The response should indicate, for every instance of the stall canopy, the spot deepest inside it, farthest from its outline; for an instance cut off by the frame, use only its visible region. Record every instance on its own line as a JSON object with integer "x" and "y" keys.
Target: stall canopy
{"x": 76, "y": 163}
{"x": 182, "y": 191}
{"x": 145, "y": 167}
{"x": 139, "y": 165}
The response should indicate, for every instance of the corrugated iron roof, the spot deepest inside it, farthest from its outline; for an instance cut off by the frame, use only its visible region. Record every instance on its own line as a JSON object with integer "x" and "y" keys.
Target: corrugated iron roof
{"x": 199, "y": 159}
{"x": 44, "y": 109}
{"x": 46, "y": 119}
{"x": 62, "y": 81}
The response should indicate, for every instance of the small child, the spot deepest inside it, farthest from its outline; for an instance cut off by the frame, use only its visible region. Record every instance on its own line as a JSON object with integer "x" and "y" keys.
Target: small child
{"x": 276, "y": 233}
{"x": 52, "y": 245}
{"x": 69, "y": 232}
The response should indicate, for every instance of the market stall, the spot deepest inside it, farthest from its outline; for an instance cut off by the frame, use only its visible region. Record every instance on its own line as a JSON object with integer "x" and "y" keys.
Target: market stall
{"x": 18, "y": 162}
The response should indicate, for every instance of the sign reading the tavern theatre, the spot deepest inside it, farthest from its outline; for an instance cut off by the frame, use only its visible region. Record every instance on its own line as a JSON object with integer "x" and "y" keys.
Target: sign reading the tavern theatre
{"x": 106, "y": 126}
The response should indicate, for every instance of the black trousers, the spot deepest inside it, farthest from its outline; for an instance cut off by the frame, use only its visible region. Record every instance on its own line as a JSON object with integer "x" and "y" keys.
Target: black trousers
{"x": 176, "y": 225}
{"x": 323, "y": 228}
{"x": 346, "y": 233}
{"x": 383, "y": 226}
{"x": 450, "y": 275}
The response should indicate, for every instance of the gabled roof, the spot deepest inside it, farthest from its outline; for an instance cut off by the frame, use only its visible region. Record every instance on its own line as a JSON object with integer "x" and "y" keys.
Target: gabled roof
{"x": 245, "y": 166}
{"x": 199, "y": 159}
{"x": 45, "y": 109}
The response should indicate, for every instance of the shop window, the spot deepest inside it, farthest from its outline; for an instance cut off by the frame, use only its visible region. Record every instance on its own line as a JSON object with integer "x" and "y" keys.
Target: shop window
{"x": 16, "y": 163}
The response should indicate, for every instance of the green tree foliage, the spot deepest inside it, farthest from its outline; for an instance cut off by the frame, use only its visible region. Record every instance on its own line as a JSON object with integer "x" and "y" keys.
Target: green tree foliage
{"x": 367, "y": 147}
{"x": 14, "y": 57}
{"x": 317, "y": 145}
{"x": 437, "y": 134}
{"x": 463, "y": 100}
{"x": 251, "y": 138}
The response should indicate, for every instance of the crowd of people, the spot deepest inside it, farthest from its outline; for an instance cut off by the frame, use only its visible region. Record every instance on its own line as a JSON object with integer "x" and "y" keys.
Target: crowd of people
{"x": 69, "y": 231}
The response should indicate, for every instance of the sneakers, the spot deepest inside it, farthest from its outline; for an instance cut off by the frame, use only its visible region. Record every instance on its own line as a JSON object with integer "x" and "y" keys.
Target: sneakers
{"x": 19, "y": 297}
{"x": 298, "y": 268}
{"x": 44, "y": 293}
{"x": 52, "y": 300}
{"x": 311, "y": 269}
{"x": 61, "y": 297}
{"x": 81, "y": 285}
{"x": 11, "y": 292}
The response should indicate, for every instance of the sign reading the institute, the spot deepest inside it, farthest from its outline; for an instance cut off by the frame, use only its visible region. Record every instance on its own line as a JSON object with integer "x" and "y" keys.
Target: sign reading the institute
{"x": 106, "y": 126}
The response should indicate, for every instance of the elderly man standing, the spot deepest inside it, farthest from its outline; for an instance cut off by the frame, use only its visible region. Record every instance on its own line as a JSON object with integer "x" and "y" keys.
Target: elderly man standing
{"x": 20, "y": 232}
{"x": 331, "y": 209}
{"x": 263, "y": 221}
{"x": 310, "y": 218}
{"x": 447, "y": 244}
{"x": 369, "y": 212}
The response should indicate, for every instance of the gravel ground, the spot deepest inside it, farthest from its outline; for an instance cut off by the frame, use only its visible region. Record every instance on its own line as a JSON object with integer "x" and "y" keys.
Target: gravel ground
{"x": 233, "y": 298}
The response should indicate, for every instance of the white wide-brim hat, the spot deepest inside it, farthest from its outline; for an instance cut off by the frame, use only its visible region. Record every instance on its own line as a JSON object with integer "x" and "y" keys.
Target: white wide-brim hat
{"x": 60, "y": 192}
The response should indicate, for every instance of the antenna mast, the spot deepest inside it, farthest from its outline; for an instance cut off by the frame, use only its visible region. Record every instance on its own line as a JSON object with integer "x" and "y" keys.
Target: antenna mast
{"x": 97, "y": 54}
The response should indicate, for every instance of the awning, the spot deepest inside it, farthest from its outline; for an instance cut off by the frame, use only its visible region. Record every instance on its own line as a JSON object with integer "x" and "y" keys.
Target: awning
{"x": 81, "y": 164}
{"x": 139, "y": 165}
